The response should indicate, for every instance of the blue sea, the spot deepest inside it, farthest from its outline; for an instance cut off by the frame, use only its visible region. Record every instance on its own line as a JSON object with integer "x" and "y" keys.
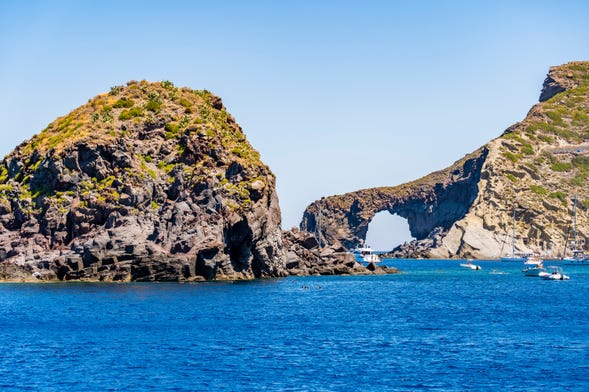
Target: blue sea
{"x": 435, "y": 327}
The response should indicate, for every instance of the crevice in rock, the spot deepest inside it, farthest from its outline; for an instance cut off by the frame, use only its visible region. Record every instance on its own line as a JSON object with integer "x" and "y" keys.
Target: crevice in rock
{"x": 238, "y": 238}
{"x": 205, "y": 265}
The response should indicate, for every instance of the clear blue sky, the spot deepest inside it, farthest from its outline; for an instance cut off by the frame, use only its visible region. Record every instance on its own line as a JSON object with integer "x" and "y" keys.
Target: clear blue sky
{"x": 336, "y": 95}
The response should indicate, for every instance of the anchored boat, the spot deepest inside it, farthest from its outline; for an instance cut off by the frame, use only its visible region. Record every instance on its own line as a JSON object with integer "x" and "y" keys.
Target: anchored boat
{"x": 554, "y": 273}
{"x": 471, "y": 266}
{"x": 533, "y": 266}
{"x": 365, "y": 254}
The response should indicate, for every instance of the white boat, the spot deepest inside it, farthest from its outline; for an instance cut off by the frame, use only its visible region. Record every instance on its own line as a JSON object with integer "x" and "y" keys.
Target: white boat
{"x": 470, "y": 265}
{"x": 533, "y": 267}
{"x": 553, "y": 273}
{"x": 365, "y": 254}
{"x": 579, "y": 257}
{"x": 515, "y": 256}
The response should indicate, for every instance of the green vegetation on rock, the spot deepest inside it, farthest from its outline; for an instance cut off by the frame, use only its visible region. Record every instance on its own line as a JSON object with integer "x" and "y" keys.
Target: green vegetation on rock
{"x": 561, "y": 166}
{"x": 539, "y": 190}
{"x": 181, "y": 128}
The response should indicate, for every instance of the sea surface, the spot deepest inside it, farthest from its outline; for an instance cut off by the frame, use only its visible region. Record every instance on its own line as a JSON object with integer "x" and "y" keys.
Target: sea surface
{"x": 435, "y": 327}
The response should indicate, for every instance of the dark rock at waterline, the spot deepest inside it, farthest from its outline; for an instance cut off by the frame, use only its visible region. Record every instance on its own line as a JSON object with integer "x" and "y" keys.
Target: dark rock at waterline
{"x": 330, "y": 260}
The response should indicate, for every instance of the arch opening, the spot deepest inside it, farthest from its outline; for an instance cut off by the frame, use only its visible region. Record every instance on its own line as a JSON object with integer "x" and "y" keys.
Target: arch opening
{"x": 386, "y": 231}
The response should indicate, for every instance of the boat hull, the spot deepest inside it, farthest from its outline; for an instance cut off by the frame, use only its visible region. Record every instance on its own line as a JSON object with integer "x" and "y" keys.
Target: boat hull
{"x": 555, "y": 277}
{"x": 553, "y": 273}
{"x": 471, "y": 266}
{"x": 572, "y": 261}
{"x": 534, "y": 271}
{"x": 513, "y": 259}
{"x": 367, "y": 259}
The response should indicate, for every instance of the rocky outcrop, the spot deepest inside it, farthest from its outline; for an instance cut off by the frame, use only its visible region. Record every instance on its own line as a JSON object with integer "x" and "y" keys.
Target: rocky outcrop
{"x": 536, "y": 167}
{"x": 148, "y": 182}
{"x": 305, "y": 257}
{"x": 430, "y": 204}
{"x": 562, "y": 78}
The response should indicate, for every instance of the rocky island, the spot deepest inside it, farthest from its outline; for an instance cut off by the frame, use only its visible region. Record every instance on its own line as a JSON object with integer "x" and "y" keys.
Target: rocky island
{"x": 149, "y": 182}
{"x": 535, "y": 168}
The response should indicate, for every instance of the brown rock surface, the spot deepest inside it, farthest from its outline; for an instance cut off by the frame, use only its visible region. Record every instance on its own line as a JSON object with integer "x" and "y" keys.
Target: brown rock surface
{"x": 536, "y": 167}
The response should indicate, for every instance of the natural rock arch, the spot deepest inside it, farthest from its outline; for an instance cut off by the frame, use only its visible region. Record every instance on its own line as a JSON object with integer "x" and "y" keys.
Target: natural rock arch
{"x": 430, "y": 204}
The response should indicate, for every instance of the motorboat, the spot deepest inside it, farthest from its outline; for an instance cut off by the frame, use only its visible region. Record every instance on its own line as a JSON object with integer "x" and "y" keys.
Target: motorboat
{"x": 533, "y": 267}
{"x": 365, "y": 254}
{"x": 553, "y": 273}
{"x": 471, "y": 266}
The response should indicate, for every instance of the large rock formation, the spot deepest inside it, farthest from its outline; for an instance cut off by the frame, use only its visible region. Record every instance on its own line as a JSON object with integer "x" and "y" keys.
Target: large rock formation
{"x": 147, "y": 182}
{"x": 536, "y": 167}
{"x": 306, "y": 256}
{"x": 436, "y": 201}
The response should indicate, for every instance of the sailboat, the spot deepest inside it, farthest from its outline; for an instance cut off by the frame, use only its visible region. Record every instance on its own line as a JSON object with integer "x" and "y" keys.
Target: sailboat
{"x": 515, "y": 256}
{"x": 579, "y": 257}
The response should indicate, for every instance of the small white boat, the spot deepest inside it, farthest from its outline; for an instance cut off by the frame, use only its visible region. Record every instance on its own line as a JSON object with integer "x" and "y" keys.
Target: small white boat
{"x": 516, "y": 257}
{"x": 471, "y": 266}
{"x": 553, "y": 273}
{"x": 579, "y": 257}
{"x": 365, "y": 254}
{"x": 533, "y": 267}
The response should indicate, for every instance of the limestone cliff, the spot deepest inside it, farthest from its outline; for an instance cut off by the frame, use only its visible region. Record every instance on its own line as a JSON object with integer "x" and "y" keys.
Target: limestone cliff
{"x": 146, "y": 182}
{"x": 536, "y": 167}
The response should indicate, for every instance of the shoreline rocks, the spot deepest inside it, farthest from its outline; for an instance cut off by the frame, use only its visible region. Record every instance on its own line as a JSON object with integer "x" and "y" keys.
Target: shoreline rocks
{"x": 306, "y": 257}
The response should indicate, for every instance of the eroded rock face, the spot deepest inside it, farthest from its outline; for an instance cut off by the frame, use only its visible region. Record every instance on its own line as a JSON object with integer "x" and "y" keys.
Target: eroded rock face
{"x": 149, "y": 182}
{"x": 560, "y": 79}
{"x": 432, "y": 203}
{"x": 537, "y": 167}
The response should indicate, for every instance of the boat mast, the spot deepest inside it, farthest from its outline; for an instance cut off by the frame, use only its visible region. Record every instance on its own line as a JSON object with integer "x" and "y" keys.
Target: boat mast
{"x": 513, "y": 235}
{"x": 575, "y": 223}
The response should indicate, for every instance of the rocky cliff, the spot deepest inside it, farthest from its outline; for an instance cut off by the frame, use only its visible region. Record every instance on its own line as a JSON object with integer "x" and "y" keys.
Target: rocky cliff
{"x": 147, "y": 182}
{"x": 536, "y": 167}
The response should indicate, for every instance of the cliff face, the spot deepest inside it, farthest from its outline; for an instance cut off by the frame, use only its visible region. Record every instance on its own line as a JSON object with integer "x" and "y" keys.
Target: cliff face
{"x": 147, "y": 182}
{"x": 536, "y": 167}
{"x": 429, "y": 204}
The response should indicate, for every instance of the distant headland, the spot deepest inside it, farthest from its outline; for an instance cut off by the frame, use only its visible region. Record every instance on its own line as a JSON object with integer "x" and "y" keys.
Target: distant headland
{"x": 535, "y": 169}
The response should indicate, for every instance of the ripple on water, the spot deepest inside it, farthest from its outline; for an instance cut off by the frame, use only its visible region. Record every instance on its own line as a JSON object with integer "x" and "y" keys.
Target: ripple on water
{"x": 434, "y": 327}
